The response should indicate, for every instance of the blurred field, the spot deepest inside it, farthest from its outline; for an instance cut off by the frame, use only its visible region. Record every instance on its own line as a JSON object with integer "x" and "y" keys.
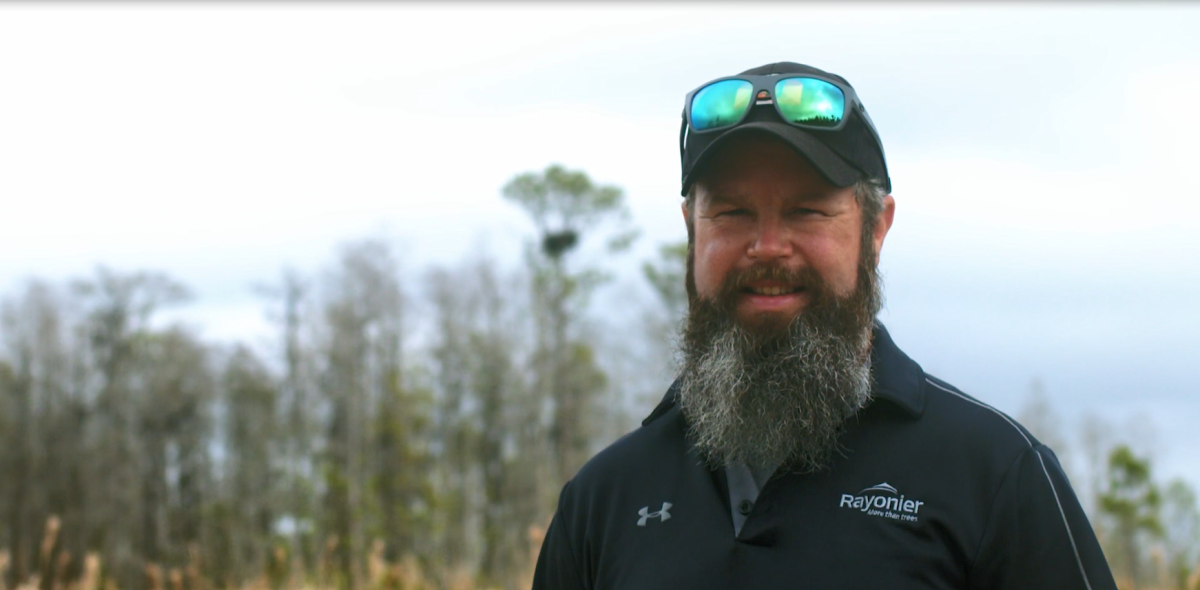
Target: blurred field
{"x": 405, "y": 574}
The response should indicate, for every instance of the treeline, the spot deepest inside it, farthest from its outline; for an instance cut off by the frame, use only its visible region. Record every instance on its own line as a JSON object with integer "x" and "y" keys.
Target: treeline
{"x": 425, "y": 424}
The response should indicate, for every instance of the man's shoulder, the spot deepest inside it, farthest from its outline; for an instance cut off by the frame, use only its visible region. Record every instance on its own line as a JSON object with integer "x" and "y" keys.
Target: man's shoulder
{"x": 637, "y": 456}
{"x": 978, "y": 426}
{"x": 942, "y": 413}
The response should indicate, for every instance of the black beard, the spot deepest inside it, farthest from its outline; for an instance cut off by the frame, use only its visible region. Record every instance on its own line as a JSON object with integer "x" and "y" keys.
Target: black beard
{"x": 777, "y": 393}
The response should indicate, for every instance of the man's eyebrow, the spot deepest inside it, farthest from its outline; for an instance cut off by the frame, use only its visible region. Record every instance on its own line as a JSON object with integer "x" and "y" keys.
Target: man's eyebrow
{"x": 723, "y": 198}
{"x": 813, "y": 196}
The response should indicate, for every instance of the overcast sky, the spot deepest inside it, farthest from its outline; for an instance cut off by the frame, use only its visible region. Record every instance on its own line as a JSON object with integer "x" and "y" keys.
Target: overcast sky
{"x": 1042, "y": 158}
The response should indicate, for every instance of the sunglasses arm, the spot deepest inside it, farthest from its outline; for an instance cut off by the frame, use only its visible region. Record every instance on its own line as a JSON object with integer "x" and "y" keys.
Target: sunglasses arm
{"x": 682, "y": 132}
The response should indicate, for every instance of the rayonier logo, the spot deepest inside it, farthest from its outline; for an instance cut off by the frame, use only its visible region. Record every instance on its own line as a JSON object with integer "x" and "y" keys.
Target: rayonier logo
{"x": 883, "y": 500}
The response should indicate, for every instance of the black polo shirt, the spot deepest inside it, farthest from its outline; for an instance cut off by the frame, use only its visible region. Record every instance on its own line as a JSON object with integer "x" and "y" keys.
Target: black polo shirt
{"x": 934, "y": 490}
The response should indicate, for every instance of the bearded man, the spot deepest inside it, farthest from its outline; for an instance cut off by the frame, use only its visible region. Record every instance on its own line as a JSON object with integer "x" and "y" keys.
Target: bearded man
{"x": 799, "y": 447}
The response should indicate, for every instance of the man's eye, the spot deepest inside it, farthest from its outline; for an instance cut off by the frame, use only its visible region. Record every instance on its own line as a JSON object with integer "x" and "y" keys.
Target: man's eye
{"x": 732, "y": 213}
{"x": 804, "y": 211}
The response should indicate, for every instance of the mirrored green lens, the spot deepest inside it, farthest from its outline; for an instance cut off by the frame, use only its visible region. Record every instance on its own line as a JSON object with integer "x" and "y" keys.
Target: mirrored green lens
{"x": 809, "y": 101}
{"x": 721, "y": 104}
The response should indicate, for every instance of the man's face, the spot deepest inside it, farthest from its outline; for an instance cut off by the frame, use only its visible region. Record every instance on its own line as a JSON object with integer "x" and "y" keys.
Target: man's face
{"x": 783, "y": 294}
{"x": 760, "y": 205}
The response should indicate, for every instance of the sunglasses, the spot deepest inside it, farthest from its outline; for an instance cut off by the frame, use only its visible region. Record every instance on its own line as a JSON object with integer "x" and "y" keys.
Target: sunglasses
{"x": 806, "y": 101}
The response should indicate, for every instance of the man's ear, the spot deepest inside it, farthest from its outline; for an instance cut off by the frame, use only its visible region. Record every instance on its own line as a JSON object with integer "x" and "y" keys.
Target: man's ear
{"x": 687, "y": 219}
{"x": 883, "y": 223}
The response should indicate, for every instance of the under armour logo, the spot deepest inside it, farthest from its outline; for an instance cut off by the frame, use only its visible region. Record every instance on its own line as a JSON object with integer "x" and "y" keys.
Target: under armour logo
{"x": 662, "y": 515}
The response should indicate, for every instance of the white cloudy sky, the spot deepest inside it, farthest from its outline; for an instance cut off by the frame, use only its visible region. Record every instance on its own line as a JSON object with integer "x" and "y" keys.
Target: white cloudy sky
{"x": 1042, "y": 159}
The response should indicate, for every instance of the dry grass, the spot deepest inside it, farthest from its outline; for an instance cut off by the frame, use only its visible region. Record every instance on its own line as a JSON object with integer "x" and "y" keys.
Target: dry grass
{"x": 407, "y": 574}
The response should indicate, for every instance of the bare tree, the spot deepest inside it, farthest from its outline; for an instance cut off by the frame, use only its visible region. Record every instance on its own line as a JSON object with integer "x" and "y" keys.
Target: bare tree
{"x": 39, "y": 462}
{"x": 1181, "y": 528}
{"x": 363, "y": 375}
{"x": 563, "y": 204}
{"x": 1096, "y": 441}
{"x": 666, "y": 275}
{"x": 492, "y": 422}
{"x": 118, "y": 310}
{"x": 455, "y": 429}
{"x": 297, "y": 422}
{"x": 251, "y": 398}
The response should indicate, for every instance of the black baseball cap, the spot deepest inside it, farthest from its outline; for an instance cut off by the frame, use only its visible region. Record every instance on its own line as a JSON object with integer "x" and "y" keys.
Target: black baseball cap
{"x": 844, "y": 156}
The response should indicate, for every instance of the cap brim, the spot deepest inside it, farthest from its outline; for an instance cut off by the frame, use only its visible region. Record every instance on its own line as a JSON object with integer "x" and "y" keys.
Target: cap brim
{"x": 830, "y": 165}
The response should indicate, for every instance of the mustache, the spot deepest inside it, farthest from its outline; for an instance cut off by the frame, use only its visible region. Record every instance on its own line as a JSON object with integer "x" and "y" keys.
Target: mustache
{"x": 738, "y": 280}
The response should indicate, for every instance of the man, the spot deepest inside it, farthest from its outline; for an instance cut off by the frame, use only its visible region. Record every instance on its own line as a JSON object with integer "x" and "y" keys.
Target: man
{"x": 799, "y": 447}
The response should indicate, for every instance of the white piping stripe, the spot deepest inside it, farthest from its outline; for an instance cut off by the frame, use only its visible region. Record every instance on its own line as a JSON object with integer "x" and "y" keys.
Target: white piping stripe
{"x": 1070, "y": 536}
{"x": 983, "y": 405}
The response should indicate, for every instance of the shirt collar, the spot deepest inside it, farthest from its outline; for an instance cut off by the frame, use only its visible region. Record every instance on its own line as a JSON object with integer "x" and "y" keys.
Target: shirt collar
{"x": 896, "y": 378}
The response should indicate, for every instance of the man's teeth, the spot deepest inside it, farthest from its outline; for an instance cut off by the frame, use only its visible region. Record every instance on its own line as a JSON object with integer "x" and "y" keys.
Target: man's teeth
{"x": 771, "y": 290}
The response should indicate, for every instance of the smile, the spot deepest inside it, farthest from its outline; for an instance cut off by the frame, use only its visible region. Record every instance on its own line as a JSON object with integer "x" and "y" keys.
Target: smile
{"x": 773, "y": 291}
{"x": 773, "y": 298}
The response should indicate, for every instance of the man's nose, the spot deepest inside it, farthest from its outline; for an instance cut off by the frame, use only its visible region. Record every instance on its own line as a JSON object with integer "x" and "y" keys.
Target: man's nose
{"x": 772, "y": 240}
